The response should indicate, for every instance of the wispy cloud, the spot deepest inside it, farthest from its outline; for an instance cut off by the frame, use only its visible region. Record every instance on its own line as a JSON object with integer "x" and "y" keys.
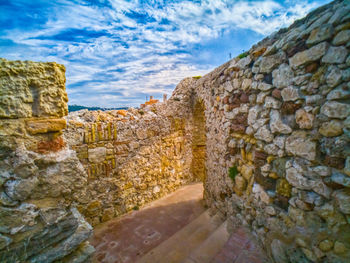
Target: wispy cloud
{"x": 117, "y": 52}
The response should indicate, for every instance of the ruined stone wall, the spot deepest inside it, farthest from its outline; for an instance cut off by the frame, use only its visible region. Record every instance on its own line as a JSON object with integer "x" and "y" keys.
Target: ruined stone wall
{"x": 41, "y": 180}
{"x": 131, "y": 156}
{"x": 271, "y": 126}
{"x": 277, "y": 129}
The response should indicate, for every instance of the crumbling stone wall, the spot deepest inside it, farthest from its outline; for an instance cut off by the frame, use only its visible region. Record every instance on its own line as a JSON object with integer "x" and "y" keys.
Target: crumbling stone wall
{"x": 41, "y": 180}
{"x": 274, "y": 123}
{"x": 277, "y": 120}
{"x": 131, "y": 157}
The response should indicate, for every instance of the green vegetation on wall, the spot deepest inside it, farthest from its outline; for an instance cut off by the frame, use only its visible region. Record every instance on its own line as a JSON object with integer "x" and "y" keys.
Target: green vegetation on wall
{"x": 232, "y": 172}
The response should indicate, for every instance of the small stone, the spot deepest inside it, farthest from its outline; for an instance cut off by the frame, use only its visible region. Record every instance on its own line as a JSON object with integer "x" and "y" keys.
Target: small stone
{"x": 276, "y": 93}
{"x": 264, "y": 86}
{"x": 246, "y": 84}
{"x": 304, "y": 119}
{"x": 341, "y": 92}
{"x": 314, "y": 99}
{"x": 343, "y": 37}
{"x": 298, "y": 180}
{"x": 270, "y": 210}
{"x": 320, "y": 34}
{"x": 282, "y": 76}
{"x": 247, "y": 171}
{"x": 300, "y": 242}
{"x": 244, "y": 62}
{"x": 97, "y": 155}
{"x": 309, "y": 254}
{"x": 268, "y": 63}
{"x": 345, "y": 75}
{"x": 240, "y": 184}
{"x": 335, "y": 55}
{"x": 290, "y": 94}
{"x": 309, "y": 55}
{"x": 333, "y": 77}
{"x": 261, "y": 97}
{"x": 340, "y": 179}
{"x": 283, "y": 188}
{"x": 321, "y": 170}
{"x": 331, "y": 128}
{"x": 347, "y": 166}
{"x": 326, "y": 245}
{"x": 271, "y": 102}
{"x": 339, "y": 248}
{"x": 299, "y": 144}
{"x": 276, "y": 124}
{"x": 322, "y": 189}
{"x": 337, "y": 110}
{"x": 264, "y": 134}
{"x": 342, "y": 198}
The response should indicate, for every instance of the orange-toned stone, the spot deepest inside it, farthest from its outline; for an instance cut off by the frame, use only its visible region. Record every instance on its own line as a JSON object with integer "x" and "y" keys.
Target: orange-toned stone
{"x": 122, "y": 112}
{"x": 259, "y": 52}
{"x": 77, "y": 124}
{"x": 51, "y": 145}
{"x": 151, "y": 102}
{"x": 45, "y": 126}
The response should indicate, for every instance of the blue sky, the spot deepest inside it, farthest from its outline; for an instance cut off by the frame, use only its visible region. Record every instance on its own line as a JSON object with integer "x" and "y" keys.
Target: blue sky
{"x": 117, "y": 52}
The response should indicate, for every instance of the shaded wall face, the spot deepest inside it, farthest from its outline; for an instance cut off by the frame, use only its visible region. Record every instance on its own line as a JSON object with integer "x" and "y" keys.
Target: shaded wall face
{"x": 198, "y": 166}
{"x": 278, "y": 138}
{"x": 40, "y": 178}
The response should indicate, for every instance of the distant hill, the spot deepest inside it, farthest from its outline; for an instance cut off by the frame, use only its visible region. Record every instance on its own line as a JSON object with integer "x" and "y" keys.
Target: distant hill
{"x": 72, "y": 108}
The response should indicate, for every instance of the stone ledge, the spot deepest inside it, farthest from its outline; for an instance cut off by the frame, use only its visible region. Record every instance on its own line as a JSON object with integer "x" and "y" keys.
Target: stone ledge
{"x": 45, "y": 126}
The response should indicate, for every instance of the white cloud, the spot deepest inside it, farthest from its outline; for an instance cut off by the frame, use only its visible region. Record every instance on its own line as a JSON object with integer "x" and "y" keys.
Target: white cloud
{"x": 141, "y": 48}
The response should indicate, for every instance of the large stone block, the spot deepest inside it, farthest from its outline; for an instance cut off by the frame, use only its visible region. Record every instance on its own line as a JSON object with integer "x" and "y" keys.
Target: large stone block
{"x": 45, "y": 126}
{"x": 309, "y": 55}
{"x": 32, "y": 89}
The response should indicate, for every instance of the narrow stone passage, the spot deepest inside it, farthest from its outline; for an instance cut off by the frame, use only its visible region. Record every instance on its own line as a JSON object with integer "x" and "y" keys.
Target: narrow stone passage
{"x": 175, "y": 228}
{"x": 128, "y": 238}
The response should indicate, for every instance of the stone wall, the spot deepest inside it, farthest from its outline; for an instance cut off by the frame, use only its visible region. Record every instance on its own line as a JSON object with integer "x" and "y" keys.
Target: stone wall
{"x": 131, "y": 156}
{"x": 40, "y": 178}
{"x": 277, "y": 138}
{"x": 267, "y": 132}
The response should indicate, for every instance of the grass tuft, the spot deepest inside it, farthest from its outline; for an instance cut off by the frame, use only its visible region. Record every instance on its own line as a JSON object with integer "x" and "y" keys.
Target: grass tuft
{"x": 232, "y": 172}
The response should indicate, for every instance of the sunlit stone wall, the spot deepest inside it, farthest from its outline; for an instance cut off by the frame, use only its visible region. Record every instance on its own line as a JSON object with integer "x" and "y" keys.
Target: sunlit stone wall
{"x": 41, "y": 180}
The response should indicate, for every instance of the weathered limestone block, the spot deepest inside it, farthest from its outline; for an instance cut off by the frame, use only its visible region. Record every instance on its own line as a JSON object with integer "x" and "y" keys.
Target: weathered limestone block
{"x": 264, "y": 134}
{"x": 334, "y": 109}
{"x": 309, "y": 55}
{"x": 276, "y": 124}
{"x": 45, "y": 126}
{"x": 304, "y": 119}
{"x": 342, "y": 198}
{"x": 295, "y": 178}
{"x": 38, "y": 89}
{"x": 343, "y": 37}
{"x": 331, "y": 129}
{"x": 268, "y": 63}
{"x": 282, "y": 76}
{"x": 290, "y": 94}
{"x": 97, "y": 155}
{"x": 300, "y": 145}
{"x": 320, "y": 34}
{"x": 335, "y": 55}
